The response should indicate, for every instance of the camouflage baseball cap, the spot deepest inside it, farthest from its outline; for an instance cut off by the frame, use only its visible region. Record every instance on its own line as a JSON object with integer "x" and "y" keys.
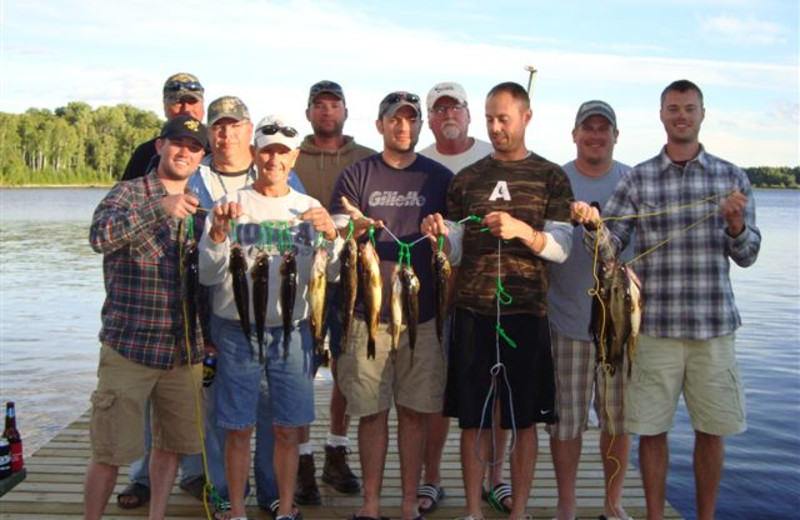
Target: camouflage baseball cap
{"x": 227, "y": 106}
{"x": 181, "y": 85}
{"x": 185, "y": 126}
{"x": 392, "y": 103}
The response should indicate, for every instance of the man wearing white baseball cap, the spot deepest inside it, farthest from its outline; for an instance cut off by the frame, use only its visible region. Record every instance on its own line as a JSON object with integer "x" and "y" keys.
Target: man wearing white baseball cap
{"x": 267, "y": 213}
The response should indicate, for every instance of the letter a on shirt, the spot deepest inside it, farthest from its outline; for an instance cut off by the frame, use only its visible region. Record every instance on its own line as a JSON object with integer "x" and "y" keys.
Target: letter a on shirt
{"x": 500, "y": 191}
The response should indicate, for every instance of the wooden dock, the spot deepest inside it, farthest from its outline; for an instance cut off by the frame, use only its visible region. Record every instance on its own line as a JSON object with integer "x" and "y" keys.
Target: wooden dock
{"x": 53, "y": 488}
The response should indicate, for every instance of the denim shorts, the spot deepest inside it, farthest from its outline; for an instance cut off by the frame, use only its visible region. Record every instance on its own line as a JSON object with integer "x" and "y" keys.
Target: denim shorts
{"x": 239, "y": 373}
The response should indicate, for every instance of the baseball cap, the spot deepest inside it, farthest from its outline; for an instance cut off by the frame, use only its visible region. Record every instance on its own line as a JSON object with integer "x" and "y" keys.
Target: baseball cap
{"x": 185, "y": 126}
{"x": 273, "y": 129}
{"x": 180, "y": 85}
{"x": 321, "y": 87}
{"x": 595, "y": 108}
{"x": 449, "y": 89}
{"x": 392, "y": 102}
{"x": 227, "y": 106}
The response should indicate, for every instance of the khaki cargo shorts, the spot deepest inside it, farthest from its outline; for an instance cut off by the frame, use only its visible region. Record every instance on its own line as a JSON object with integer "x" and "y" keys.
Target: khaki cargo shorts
{"x": 370, "y": 385}
{"x": 705, "y": 371}
{"x": 118, "y": 403}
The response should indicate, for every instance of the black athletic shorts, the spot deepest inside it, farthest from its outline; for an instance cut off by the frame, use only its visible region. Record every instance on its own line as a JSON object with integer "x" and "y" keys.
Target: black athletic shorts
{"x": 528, "y": 368}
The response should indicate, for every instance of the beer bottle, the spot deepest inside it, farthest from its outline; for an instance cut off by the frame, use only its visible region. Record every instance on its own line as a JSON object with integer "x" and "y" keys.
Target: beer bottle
{"x": 14, "y": 440}
{"x": 209, "y": 369}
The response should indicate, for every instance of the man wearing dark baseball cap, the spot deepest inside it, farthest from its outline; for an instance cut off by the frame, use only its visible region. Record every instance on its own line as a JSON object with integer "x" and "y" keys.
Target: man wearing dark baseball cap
{"x": 183, "y": 95}
{"x": 593, "y": 175}
{"x": 323, "y": 156}
{"x": 142, "y": 355}
{"x": 393, "y": 190}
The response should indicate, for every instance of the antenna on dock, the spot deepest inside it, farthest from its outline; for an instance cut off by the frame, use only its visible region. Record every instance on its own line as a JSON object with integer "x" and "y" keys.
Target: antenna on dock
{"x": 531, "y": 76}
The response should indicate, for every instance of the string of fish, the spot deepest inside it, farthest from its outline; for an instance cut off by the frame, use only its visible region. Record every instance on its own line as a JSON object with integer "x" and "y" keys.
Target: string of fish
{"x": 405, "y": 286}
{"x": 190, "y": 285}
{"x": 259, "y": 275}
{"x": 633, "y": 290}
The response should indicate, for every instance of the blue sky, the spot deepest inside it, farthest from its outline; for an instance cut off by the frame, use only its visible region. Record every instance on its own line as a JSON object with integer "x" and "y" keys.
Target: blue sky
{"x": 743, "y": 54}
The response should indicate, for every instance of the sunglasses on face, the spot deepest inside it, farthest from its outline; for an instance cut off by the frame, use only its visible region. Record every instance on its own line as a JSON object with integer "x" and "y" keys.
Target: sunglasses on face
{"x": 396, "y": 97}
{"x": 174, "y": 86}
{"x": 273, "y": 129}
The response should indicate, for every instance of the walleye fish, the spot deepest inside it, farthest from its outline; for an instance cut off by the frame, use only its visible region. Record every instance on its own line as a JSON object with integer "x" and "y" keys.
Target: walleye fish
{"x": 190, "y": 287}
{"x": 410, "y": 284}
{"x": 241, "y": 294}
{"x": 616, "y": 314}
{"x": 396, "y": 306}
{"x": 441, "y": 281}
{"x": 288, "y": 291}
{"x": 348, "y": 262}
{"x": 371, "y": 291}
{"x": 259, "y": 274}
{"x": 317, "y": 286}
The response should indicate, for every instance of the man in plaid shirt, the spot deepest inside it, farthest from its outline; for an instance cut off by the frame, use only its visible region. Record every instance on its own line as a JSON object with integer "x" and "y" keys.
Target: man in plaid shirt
{"x": 687, "y": 335}
{"x": 145, "y": 352}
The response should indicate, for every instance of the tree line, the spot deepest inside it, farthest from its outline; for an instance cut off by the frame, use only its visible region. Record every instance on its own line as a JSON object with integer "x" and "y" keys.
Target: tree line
{"x": 77, "y": 145}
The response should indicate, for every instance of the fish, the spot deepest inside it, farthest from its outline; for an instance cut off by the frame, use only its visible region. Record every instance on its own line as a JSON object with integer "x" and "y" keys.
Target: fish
{"x": 241, "y": 294}
{"x": 288, "y": 291}
{"x": 441, "y": 280}
{"x": 317, "y": 286}
{"x": 410, "y": 284}
{"x": 259, "y": 274}
{"x": 372, "y": 286}
{"x": 190, "y": 287}
{"x": 396, "y": 306}
{"x": 348, "y": 270}
{"x": 616, "y": 318}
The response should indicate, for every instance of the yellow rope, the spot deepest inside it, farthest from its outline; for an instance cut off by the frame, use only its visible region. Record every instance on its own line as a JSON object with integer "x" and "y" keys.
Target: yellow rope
{"x": 197, "y": 395}
{"x": 594, "y": 292}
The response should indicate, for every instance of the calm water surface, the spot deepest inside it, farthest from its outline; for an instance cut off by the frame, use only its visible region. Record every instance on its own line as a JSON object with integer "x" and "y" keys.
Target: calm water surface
{"x": 51, "y": 291}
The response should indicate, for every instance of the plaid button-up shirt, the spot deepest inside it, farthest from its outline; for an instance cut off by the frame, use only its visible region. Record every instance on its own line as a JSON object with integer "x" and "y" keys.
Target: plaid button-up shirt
{"x": 686, "y": 289}
{"x": 142, "y": 315}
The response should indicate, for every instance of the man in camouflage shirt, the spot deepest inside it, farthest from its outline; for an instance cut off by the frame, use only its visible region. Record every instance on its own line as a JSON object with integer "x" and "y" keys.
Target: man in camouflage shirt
{"x": 522, "y": 200}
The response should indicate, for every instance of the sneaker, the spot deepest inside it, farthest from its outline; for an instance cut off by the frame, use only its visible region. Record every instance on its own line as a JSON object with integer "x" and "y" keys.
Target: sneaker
{"x": 336, "y": 471}
{"x": 306, "y": 491}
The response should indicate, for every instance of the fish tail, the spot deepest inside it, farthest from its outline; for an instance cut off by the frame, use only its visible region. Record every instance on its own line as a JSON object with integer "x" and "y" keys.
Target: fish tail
{"x": 371, "y": 348}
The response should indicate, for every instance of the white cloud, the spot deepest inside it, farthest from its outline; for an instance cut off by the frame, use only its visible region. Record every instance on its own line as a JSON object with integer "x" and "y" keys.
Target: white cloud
{"x": 746, "y": 31}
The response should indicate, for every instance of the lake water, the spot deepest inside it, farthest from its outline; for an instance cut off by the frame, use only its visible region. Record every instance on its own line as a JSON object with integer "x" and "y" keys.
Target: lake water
{"x": 51, "y": 291}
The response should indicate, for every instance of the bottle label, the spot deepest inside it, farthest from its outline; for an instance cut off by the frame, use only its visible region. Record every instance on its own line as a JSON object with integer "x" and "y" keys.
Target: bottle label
{"x": 16, "y": 457}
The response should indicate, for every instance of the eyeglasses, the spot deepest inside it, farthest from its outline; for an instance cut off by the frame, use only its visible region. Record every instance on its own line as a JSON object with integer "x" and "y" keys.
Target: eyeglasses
{"x": 396, "y": 97}
{"x": 274, "y": 128}
{"x": 443, "y": 109}
{"x": 325, "y": 86}
{"x": 219, "y": 127}
{"x": 174, "y": 86}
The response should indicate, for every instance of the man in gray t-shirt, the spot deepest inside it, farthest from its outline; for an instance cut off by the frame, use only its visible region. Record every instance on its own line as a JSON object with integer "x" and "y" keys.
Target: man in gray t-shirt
{"x": 593, "y": 175}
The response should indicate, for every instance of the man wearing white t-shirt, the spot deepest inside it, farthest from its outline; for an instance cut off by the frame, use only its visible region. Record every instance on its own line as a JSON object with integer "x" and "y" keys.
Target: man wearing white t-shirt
{"x": 449, "y": 119}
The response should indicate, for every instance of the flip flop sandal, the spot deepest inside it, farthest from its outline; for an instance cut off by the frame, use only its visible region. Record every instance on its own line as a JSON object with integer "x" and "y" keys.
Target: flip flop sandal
{"x": 497, "y": 497}
{"x": 140, "y": 492}
{"x": 432, "y": 493}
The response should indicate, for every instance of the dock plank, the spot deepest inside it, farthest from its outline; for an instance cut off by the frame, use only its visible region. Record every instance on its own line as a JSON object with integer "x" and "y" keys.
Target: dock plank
{"x": 53, "y": 488}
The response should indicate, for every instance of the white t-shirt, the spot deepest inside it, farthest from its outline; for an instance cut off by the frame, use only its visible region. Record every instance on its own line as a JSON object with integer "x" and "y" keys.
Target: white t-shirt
{"x": 459, "y": 161}
{"x": 258, "y": 208}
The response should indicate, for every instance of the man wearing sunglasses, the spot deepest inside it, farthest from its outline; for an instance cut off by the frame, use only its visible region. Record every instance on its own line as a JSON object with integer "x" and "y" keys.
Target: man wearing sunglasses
{"x": 183, "y": 96}
{"x": 323, "y": 156}
{"x": 391, "y": 192}
{"x": 449, "y": 119}
{"x": 266, "y": 213}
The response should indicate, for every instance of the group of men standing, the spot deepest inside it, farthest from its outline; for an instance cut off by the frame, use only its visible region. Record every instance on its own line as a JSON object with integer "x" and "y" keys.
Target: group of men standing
{"x": 264, "y": 207}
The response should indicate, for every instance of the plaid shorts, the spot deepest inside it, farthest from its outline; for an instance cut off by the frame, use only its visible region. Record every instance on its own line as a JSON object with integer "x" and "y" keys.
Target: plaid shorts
{"x": 577, "y": 374}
